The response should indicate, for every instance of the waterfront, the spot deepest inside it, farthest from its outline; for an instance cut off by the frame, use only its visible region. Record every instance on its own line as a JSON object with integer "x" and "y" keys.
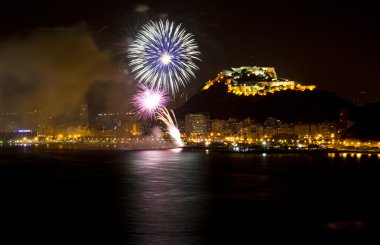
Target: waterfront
{"x": 186, "y": 197}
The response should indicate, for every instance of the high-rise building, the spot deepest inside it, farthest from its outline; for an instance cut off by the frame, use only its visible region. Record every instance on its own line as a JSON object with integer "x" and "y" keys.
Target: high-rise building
{"x": 327, "y": 128}
{"x": 196, "y": 124}
{"x": 83, "y": 115}
{"x": 302, "y": 129}
{"x": 217, "y": 126}
{"x": 253, "y": 131}
{"x": 286, "y": 128}
{"x": 343, "y": 118}
{"x": 271, "y": 126}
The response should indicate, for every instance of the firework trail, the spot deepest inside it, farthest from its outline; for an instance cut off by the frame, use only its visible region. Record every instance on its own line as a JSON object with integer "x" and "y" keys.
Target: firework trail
{"x": 163, "y": 55}
{"x": 147, "y": 101}
{"x": 168, "y": 118}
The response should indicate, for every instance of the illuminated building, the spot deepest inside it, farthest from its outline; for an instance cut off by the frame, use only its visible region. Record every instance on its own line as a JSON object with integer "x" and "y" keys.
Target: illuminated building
{"x": 196, "y": 124}
{"x": 18, "y": 134}
{"x": 255, "y": 80}
{"x": 120, "y": 124}
{"x": 327, "y": 128}
{"x": 286, "y": 129}
{"x": 251, "y": 131}
{"x": 271, "y": 126}
{"x": 83, "y": 115}
{"x": 302, "y": 129}
{"x": 324, "y": 129}
{"x": 217, "y": 126}
{"x": 313, "y": 129}
{"x": 135, "y": 129}
{"x": 343, "y": 118}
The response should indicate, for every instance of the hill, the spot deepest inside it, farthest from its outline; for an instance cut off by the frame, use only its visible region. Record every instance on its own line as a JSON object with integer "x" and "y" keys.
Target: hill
{"x": 367, "y": 122}
{"x": 289, "y": 105}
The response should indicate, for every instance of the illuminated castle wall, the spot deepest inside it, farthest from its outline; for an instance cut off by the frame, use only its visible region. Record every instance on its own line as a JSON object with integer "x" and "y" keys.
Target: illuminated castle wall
{"x": 255, "y": 80}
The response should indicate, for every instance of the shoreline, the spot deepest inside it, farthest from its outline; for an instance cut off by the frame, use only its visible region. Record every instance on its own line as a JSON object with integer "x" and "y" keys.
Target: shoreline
{"x": 167, "y": 146}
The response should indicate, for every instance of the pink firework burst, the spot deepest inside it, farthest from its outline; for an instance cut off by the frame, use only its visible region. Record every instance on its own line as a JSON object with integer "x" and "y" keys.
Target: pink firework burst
{"x": 147, "y": 101}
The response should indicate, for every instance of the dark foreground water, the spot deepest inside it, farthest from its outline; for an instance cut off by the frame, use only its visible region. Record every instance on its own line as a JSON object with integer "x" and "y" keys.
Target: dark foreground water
{"x": 186, "y": 197}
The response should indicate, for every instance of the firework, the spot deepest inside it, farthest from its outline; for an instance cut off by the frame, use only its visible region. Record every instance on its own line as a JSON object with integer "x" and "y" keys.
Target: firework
{"x": 163, "y": 55}
{"x": 168, "y": 118}
{"x": 148, "y": 101}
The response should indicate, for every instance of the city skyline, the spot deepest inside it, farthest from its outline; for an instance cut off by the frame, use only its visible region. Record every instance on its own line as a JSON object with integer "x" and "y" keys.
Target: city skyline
{"x": 333, "y": 47}
{"x": 189, "y": 122}
{"x": 51, "y": 66}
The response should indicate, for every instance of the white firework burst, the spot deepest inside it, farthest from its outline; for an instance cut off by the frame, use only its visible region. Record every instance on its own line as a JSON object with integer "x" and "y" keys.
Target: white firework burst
{"x": 163, "y": 56}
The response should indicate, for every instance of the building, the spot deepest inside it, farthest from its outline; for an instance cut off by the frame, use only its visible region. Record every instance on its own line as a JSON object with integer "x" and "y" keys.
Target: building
{"x": 196, "y": 124}
{"x": 326, "y": 129}
{"x": 271, "y": 126}
{"x": 343, "y": 118}
{"x": 313, "y": 129}
{"x": 286, "y": 128}
{"x": 254, "y": 80}
{"x": 253, "y": 131}
{"x": 217, "y": 126}
{"x": 302, "y": 129}
{"x": 18, "y": 134}
{"x": 83, "y": 115}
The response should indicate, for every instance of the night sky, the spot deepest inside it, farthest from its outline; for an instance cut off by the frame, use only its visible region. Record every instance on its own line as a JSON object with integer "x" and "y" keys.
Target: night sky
{"x": 334, "y": 46}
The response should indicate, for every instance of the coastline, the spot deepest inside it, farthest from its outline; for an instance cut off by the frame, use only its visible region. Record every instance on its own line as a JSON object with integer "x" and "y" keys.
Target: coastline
{"x": 169, "y": 145}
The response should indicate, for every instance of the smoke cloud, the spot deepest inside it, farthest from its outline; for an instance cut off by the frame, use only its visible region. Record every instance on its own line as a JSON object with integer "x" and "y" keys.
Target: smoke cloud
{"x": 50, "y": 70}
{"x": 141, "y": 8}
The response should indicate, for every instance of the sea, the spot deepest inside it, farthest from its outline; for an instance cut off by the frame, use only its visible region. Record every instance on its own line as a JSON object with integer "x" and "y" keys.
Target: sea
{"x": 179, "y": 196}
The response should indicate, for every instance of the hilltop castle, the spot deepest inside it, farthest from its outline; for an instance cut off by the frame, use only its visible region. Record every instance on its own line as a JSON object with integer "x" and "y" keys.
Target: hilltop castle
{"x": 254, "y": 80}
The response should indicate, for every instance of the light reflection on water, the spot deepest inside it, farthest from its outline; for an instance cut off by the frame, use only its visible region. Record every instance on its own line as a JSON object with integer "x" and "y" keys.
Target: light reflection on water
{"x": 346, "y": 155}
{"x": 188, "y": 197}
{"x": 176, "y": 194}
{"x": 167, "y": 196}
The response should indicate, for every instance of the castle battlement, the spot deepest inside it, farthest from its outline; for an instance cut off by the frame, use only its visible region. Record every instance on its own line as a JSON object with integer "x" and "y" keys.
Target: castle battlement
{"x": 254, "y": 80}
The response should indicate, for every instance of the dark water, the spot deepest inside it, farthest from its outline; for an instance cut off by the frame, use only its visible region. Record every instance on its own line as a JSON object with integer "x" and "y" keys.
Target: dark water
{"x": 186, "y": 197}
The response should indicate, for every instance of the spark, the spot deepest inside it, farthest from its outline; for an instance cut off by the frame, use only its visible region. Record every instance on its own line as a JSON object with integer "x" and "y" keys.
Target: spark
{"x": 163, "y": 56}
{"x": 168, "y": 118}
{"x": 148, "y": 101}
{"x": 166, "y": 58}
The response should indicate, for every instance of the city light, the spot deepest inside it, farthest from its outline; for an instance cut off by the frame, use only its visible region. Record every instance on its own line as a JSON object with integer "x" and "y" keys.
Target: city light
{"x": 250, "y": 81}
